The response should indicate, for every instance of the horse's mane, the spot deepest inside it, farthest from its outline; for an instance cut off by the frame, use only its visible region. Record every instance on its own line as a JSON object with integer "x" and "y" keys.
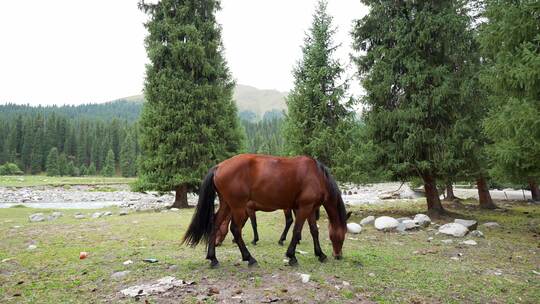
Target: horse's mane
{"x": 335, "y": 193}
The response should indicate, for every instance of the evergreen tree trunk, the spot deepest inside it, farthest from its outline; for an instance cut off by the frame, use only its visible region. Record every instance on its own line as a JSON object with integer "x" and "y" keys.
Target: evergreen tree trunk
{"x": 484, "y": 197}
{"x": 450, "y": 196}
{"x": 432, "y": 195}
{"x": 180, "y": 200}
{"x": 535, "y": 192}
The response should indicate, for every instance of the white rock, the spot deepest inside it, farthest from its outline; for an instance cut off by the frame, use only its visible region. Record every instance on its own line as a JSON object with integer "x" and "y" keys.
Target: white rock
{"x": 422, "y": 220}
{"x": 160, "y": 286}
{"x": 448, "y": 241}
{"x": 123, "y": 212}
{"x": 304, "y": 277}
{"x": 128, "y": 262}
{"x": 120, "y": 274}
{"x": 55, "y": 215}
{"x": 354, "y": 228}
{"x": 386, "y": 223}
{"x": 491, "y": 225}
{"x": 401, "y": 219}
{"x": 477, "y": 233}
{"x": 454, "y": 229}
{"x": 37, "y": 217}
{"x": 107, "y": 213}
{"x": 371, "y": 274}
{"x": 31, "y": 247}
{"x": 367, "y": 220}
{"x": 97, "y": 215}
{"x": 80, "y": 216}
{"x": 469, "y": 242}
{"x": 470, "y": 224}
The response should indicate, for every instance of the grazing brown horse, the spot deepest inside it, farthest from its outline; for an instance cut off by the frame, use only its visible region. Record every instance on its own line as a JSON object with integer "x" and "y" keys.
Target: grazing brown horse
{"x": 267, "y": 183}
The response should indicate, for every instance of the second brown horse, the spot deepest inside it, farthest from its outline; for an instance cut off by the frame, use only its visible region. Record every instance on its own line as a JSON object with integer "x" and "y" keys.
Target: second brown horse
{"x": 267, "y": 183}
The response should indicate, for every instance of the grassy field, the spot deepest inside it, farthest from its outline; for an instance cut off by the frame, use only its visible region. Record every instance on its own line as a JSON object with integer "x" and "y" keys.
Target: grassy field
{"x": 42, "y": 180}
{"x": 377, "y": 267}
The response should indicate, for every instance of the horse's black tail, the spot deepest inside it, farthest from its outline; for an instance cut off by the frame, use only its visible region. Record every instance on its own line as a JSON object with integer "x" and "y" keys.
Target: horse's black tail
{"x": 334, "y": 192}
{"x": 202, "y": 222}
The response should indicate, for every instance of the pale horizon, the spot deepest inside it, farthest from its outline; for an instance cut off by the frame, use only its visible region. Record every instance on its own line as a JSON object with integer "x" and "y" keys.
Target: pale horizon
{"x": 70, "y": 52}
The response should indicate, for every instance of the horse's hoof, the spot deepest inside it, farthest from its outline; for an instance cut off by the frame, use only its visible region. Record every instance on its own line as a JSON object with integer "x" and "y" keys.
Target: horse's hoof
{"x": 322, "y": 258}
{"x": 293, "y": 262}
{"x": 338, "y": 257}
{"x": 252, "y": 262}
{"x": 280, "y": 242}
{"x": 254, "y": 242}
{"x": 214, "y": 264}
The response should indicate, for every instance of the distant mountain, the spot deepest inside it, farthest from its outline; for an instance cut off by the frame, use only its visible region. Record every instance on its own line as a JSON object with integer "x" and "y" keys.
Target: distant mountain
{"x": 249, "y": 101}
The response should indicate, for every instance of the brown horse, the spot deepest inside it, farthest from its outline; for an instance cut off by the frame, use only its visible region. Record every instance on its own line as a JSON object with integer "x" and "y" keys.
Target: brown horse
{"x": 267, "y": 183}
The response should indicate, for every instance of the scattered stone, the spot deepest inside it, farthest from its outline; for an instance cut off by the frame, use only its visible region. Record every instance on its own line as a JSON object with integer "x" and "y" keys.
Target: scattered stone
{"x": 151, "y": 260}
{"x": 174, "y": 209}
{"x": 55, "y": 215}
{"x": 80, "y": 216}
{"x": 37, "y": 217}
{"x": 32, "y": 247}
{"x": 429, "y": 239}
{"x": 97, "y": 215}
{"x": 354, "y": 228}
{"x": 469, "y": 243}
{"x": 128, "y": 262}
{"x": 470, "y": 224}
{"x": 389, "y": 196}
{"x": 7, "y": 260}
{"x": 496, "y": 272}
{"x": 454, "y": 229}
{"x": 123, "y": 212}
{"x": 386, "y": 223}
{"x": 491, "y": 225}
{"x": 406, "y": 225}
{"x": 454, "y": 258}
{"x": 345, "y": 283}
{"x": 371, "y": 274}
{"x": 160, "y": 286}
{"x": 477, "y": 233}
{"x": 301, "y": 251}
{"x": 422, "y": 220}
{"x": 107, "y": 213}
{"x": 367, "y": 220}
{"x": 401, "y": 219}
{"x": 304, "y": 277}
{"x": 173, "y": 267}
{"x": 448, "y": 241}
{"x": 120, "y": 274}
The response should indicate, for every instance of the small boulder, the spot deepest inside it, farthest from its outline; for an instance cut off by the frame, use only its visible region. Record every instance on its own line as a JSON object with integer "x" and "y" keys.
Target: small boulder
{"x": 123, "y": 212}
{"x": 469, "y": 242}
{"x": 31, "y": 247}
{"x": 470, "y": 224}
{"x": 107, "y": 213}
{"x": 446, "y": 242}
{"x": 55, "y": 215}
{"x": 491, "y": 225}
{"x": 354, "y": 228}
{"x": 406, "y": 225}
{"x": 37, "y": 217}
{"x": 454, "y": 229}
{"x": 80, "y": 216}
{"x": 367, "y": 220}
{"x": 120, "y": 274}
{"x": 422, "y": 220}
{"x": 477, "y": 233}
{"x": 386, "y": 223}
{"x": 401, "y": 219}
{"x": 304, "y": 277}
{"x": 97, "y": 215}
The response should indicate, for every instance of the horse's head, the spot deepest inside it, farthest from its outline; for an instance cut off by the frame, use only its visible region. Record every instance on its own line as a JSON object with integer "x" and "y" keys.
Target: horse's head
{"x": 337, "y": 231}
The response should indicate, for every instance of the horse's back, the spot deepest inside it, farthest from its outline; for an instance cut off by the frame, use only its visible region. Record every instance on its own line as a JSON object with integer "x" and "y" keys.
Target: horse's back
{"x": 269, "y": 181}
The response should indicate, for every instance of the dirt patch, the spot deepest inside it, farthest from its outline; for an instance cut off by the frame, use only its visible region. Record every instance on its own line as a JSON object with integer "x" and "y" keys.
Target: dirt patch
{"x": 280, "y": 287}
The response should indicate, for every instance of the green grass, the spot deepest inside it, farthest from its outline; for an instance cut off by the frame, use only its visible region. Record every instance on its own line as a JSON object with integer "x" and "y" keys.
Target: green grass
{"x": 42, "y": 180}
{"x": 381, "y": 267}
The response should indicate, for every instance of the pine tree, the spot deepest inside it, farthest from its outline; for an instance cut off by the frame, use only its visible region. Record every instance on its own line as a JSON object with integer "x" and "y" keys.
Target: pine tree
{"x": 316, "y": 111}
{"x": 411, "y": 74}
{"x": 70, "y": 169}
{"x": 62, "y": 164}
{"x": 108, "y": 167}
{"x": 91, "y": 170}
{"x": 83, "y": 171}
{"x": 128, "y": 157}
{"x": 189, "y": 121}
{"x": 52, "y": 163}
{"x": 509, "y": 41}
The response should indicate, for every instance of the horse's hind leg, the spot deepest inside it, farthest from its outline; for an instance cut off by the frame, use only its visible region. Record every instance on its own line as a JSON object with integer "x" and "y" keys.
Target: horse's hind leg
{"x": 315, "y": 234}
{"x": 301, "y": 216}
{"x": 288, "y": 223}
{"x": 253, "y": 219}
{"x": 239, "y": 218}
{"x": 221, "y": 216}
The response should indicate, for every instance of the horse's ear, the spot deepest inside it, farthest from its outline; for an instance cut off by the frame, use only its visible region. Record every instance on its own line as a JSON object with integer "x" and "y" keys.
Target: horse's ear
{"x": 348, "y": 215}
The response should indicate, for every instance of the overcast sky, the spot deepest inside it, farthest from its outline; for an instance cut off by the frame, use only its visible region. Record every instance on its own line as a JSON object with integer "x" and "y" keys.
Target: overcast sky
{"x": 79, "y": 51}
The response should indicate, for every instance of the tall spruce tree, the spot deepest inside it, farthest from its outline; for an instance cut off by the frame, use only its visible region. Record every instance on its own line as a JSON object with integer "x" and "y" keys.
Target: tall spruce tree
{"x": 317, "y": 109}
{"x": 108, "y": 167}
{"x": 128, "y": 157}
{"x": 52, "y": 166}
{"x": 411, "y": 71}
{"x": 189, "y": 121}
{"x": 510, "y": 41}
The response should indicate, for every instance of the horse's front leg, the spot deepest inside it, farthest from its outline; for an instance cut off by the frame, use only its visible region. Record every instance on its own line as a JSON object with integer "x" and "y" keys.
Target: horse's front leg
{"x": 315, "y": 234}
{"x": 301, "y": 215}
